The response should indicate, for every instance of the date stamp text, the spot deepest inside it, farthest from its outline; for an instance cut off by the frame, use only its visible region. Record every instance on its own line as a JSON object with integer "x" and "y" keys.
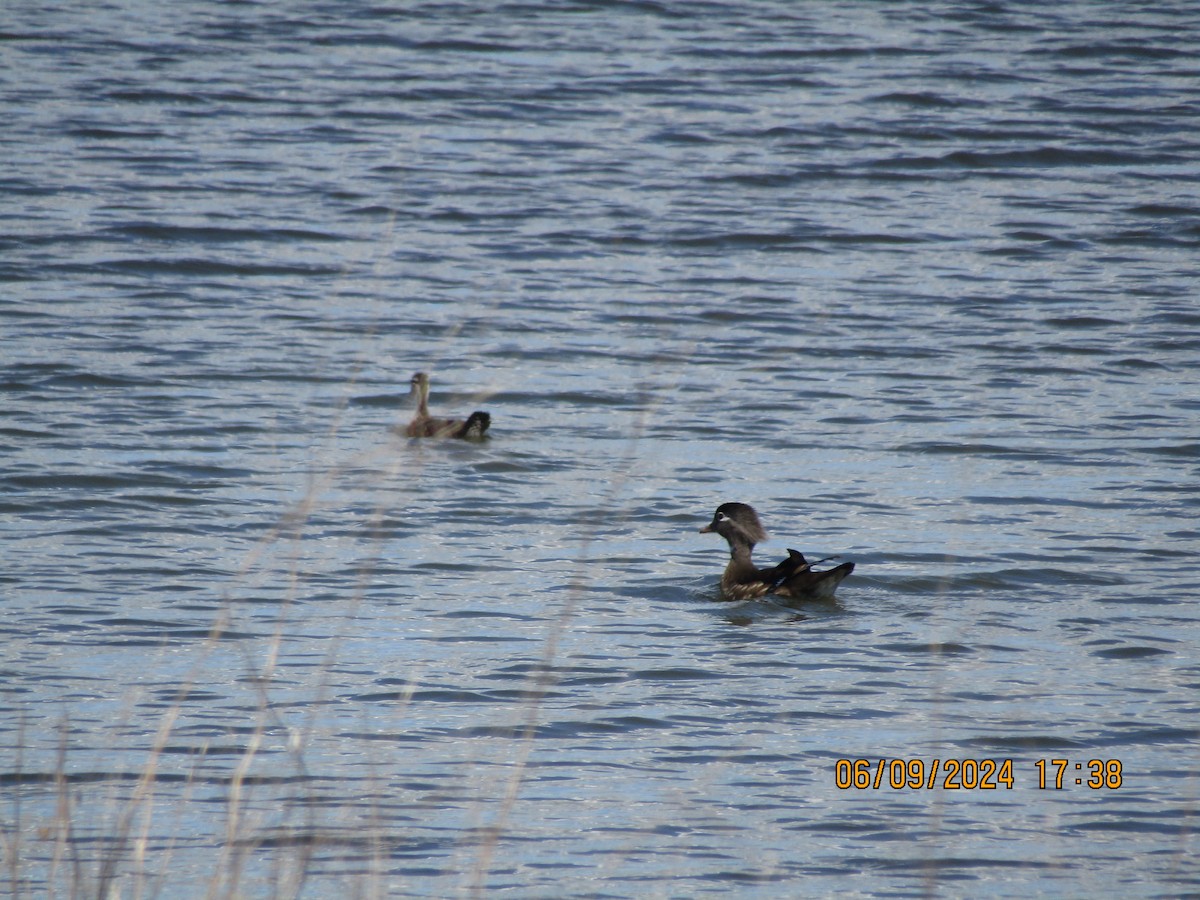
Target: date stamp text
{"x": 974, "y": 774}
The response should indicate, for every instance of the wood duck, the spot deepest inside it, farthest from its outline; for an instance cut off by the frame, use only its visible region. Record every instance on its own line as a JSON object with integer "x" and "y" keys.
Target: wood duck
{"x": 425, "y": 425}
{"x": 794, "y": 578}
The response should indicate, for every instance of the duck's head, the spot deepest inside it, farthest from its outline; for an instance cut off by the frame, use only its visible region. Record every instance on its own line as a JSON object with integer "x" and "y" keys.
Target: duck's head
{"x": 419, "y": 384}
{"x": 736, "y": 522}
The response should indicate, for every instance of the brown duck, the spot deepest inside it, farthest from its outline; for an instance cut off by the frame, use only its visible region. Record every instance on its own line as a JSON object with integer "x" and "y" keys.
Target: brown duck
{"x": 794, "y": 577}
{"x": 425, "y": 425}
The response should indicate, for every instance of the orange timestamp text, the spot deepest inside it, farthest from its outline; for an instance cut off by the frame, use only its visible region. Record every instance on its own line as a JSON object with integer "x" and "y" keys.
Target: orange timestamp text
{"x": 972, "y": 774}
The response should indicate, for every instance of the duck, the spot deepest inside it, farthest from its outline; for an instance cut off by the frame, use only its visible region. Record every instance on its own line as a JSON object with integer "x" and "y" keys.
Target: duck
{"x": 794, "y": 578}
{"x": 424, "y": 425}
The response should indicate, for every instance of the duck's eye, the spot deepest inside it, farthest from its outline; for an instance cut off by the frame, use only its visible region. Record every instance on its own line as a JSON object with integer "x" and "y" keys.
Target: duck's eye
{"x": 721, "y": 517}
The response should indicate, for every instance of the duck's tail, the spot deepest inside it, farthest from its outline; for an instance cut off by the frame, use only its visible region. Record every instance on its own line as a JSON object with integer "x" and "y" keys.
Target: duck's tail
{"x": 810, "y": 585}
{"x": 476, "y": 425}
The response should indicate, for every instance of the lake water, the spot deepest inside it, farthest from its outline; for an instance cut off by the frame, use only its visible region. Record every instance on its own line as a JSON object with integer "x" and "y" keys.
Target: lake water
{"x": 918, "y": 281}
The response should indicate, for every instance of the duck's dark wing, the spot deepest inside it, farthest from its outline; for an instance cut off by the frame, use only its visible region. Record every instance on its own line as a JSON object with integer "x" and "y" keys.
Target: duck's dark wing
{"x": 810, "y": 585}
{"x": 789, "y": 568}
{"x": 475, "y": 427}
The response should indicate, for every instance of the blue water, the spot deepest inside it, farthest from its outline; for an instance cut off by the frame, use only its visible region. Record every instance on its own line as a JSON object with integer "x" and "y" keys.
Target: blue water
{"x": 919, "y": 283}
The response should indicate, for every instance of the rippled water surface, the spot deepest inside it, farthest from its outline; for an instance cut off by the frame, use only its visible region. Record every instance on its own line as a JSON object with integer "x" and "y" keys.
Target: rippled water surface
{"x": 918, "y": 281}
